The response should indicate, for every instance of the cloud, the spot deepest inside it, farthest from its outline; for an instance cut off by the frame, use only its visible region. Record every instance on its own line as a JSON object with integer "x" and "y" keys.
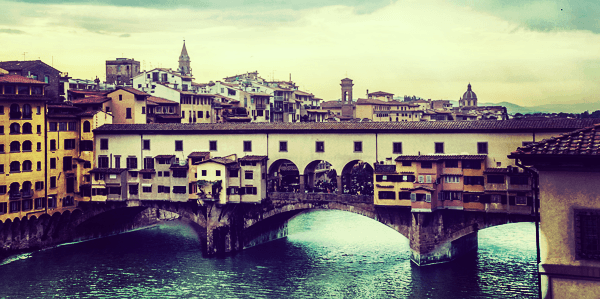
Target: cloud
{"x": 11, "y": 31}
{"x": 542, "y": 15}
{"x": 125, "y": 35}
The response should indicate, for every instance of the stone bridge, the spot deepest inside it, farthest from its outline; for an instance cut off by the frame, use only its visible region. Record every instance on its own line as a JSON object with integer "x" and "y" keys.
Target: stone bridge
{"x": 435, "y": 237}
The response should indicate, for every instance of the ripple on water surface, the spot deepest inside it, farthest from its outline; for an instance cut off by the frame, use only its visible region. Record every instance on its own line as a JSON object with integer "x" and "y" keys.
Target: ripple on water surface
{"x": 328, "y": 254}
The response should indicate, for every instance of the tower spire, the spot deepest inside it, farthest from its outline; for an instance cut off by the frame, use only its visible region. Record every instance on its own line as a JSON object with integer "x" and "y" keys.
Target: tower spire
{"x": 184, "y": 62}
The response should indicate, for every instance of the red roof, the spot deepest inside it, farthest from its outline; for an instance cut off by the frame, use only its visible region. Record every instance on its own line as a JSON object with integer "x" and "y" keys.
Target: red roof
{"x": 90, "y": 100}
{"x": 582, "y": 142}
{"x": 158, "y": 100}
{"x": 133, "y": 90}
{"x": 18, "y": 79}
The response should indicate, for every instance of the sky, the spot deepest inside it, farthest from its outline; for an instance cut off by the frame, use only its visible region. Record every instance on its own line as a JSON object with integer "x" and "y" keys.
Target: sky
{"x": 519, "y": 51}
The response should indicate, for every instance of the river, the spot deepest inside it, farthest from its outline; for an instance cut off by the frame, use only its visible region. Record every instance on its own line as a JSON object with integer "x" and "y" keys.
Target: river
{"x": 328, "y": 254}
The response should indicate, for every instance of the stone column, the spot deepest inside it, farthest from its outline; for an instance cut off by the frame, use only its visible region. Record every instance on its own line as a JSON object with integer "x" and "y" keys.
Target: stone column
{"x": 339, "y": 184}
{"x": 432, "y": 243}
{"x": 301, "y": 189}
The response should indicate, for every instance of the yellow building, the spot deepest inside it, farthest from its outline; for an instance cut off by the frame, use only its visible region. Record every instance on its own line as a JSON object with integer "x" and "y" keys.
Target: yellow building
{"x": 22, "y": 132}
{"x": 127, "y": 105}
{"x": 567, "y": 169}
{"x": 376, "y": 109}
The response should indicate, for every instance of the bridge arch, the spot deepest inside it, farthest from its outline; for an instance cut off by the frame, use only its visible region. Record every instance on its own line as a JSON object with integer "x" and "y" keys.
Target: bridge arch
{"x": 284, "y": 176}
{"x": 321, "y": 176}
{"x": 357, "y": 178}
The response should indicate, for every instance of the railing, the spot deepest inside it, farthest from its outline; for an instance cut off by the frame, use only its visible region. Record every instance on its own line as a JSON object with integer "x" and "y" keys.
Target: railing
{"x": 14, "y": 195}
{"x": 279, "y": 98}
{"x": 317, "y": 196}
{"x": 262, "y": 107}
{"x": 27, "y": 193}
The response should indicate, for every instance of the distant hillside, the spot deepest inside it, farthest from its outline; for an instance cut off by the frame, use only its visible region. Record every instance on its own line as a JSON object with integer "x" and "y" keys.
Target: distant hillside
{"x": 548, "y": 108}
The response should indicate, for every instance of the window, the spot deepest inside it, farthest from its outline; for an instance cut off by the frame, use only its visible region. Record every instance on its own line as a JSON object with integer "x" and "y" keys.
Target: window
{"x": 320, "y": 146}
{"x": 53, "y": 144}
{"x": 406, "y": 163}
{"x": 495, "y": 179}
{"x": 471, "y": 164}
{"x": 421, "y": 179}
{"x": 26, "y": 146}
{"x": 179, "y": 189}
{"x": 117, "y": 161}
{"x": 128, "y": 113}
{"x": 69, "y": 144}
{"x": 482, "y": 148}
{"x": 451, "y": 163}
{"x": 439, "y": 147}
{"x": 166, "y": 173}
{"x": 52, "y": 201}
{"x": 14, "y": 128}
{"x": 86, "y": 127}
{"x": 27, "y": 111}
{"x": 46, "y": 79}
{"x": 147, "y": 189}
{"x": 27, "y": 128}
{"x": 473, "y": 180}
{"x": 67, "y": 163}
{"x": 40, "y": 203}
{"x": 86, "y": 145}
{"x": 357, "y": 146}
{"x": 53, "y": 182}
{"x": 179, "y": 173}
{"x": 120, "y": 97}
{"x": 587, "y": 234}
{"x": 283, "y": 146}
{"x": 428, "y": 179}
{"x": 72, "y": 126}
{"x": 15, "y": 166}
{"x": 233, "y": 173}
{"x": 52, "y": 127}
{"x": 143, "y": 110}
{"x": 39, "y": 129}
{"x": 247, "y": 146}
{"x": 15, "y": 147}
{"x": 249, "y": 175}
{"x": 103, "y": 161}
{"x": 387, "y": 195}
{"x": 204, "y": 172}
{"x": 403, "y": 195}
{"x": 179, "y": 145}
{"x": 27, "y": 165}
{"x": 452, "y": 179}
{"x": 132, "y": 162}
{"x": 149, "y": 163}
{"x": 39, "y": 165}
{"x": 397, "y": 148}
{"x": 146, "y": 144}
{"x": 212, "y": 145}
{"x": 104, "y": 144}
{"x": 1, "y": 168}
{"x": 2, "y": 148}
{"x": 62, "y": 126}
{"x": 133, "y": 189}
{"x": 218, "y": 173}
{"x": 519, "y": 180}
{"x": 426, "y": 165}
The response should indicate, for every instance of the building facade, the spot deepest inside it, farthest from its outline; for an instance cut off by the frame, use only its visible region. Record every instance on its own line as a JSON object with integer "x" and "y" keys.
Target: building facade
{"x": 121, "y": 71}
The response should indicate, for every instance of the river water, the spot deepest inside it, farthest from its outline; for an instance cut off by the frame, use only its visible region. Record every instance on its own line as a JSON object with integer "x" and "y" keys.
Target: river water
{"x": 328, "y": 254}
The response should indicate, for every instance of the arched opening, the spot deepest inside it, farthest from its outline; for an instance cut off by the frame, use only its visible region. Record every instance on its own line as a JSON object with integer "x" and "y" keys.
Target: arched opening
{"x": 15, "y": 111}
{"x": 26, "y": 111}
{"x": 284, "y": 176}
{"x": 27, "y": 166}
{"x": 15, "y": 147}
{"x": 357, "y": 178}
{"x": 27, "y": 128}
{"x": 14, "y": 190}
{"x": 15, "y": 128}
{"x": 15, "y": 166}
{"x": 86, "y": 126}
{"x": 319, "y": 176}
{"x": 26, "y": 146}
{"x": 27, "y": 191}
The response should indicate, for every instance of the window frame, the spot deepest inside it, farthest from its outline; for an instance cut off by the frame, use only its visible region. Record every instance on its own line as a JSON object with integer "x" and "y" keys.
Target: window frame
{"x": 319, "y": 146}
{"x": 480, "y": 148}
{"x": 358, "y": 146}
{"x": 438, "y": 147}
{"x": 397, "y": 148}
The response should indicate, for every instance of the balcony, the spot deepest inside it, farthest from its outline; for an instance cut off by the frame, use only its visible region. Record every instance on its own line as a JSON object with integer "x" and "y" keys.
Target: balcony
{"x": 27, "y": 193}
{"x": 261, "y": 106}
{"x": 279, "y": 98}
{"x": 277, "y": 109}
{"x": 382, "y": 168}
{"x": 14, "y": 195}
{"x": 181, "y": 164}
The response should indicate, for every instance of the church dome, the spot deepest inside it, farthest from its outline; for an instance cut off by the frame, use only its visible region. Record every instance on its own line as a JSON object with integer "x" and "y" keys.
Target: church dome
{"x": 469, "y": 94}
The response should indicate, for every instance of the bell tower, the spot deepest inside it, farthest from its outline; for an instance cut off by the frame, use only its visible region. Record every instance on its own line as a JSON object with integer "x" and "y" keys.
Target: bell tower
{"x": 184, "y": 62}
{"x": 346, "y": 90}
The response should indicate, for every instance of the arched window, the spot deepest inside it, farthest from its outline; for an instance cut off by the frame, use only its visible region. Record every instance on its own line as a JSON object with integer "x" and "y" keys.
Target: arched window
{"x": 26, "y": 111}
{"x": 15, "y": 128}
{"x": 15, "y": 147}
{"x": 27, "y": 128}
{"x": 86, "y": 126}
{"x": 26, "y": 167}
{"x": 15, "y": 166}
{"x": 26, "y": 188}
{"x": 15, "y": 111}
{"x": 14, "y": 189}
{"x": 26, "y": 146}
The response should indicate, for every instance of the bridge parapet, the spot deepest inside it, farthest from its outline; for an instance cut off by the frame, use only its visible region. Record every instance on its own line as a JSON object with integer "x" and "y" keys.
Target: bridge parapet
{"x": 316, "y": 196}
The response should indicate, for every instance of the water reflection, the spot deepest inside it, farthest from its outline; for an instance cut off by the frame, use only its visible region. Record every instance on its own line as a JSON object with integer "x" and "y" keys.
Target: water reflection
{"x": 329, "y": 254}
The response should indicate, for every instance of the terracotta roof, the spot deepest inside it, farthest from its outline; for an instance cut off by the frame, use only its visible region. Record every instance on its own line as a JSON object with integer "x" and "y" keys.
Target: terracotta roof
{"x": 304, "y": 93}
{"x": 132, "y": 90}
{"x": 199, "y": 154}
{"x": 219, "y": 160}
{"x": 263, "y": 94}
{"x": 496, "y": 170}
{"x": 380, "y": 102}
{"x": 90, "y": 100}
{"x": 22, "y": 64}
{"x": 331, "y": 104}
{"x": 158, "y": 100}
{"x": 382, "y": 93}
{"x": 19, "y": 80}
{"x": 440, "y": 157}
{"x": 253, "y": 158}
{"x": 174, "y": 116}
{"x": 422, "y": 187}
{"x": 164, "y": 156}
{"x": 108, "y": 170}
{"x": 147, "y": 171}
{"x": 582, "y": 142}
{"x": 550, "y": 125}
{"x": 88, "y": 113}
